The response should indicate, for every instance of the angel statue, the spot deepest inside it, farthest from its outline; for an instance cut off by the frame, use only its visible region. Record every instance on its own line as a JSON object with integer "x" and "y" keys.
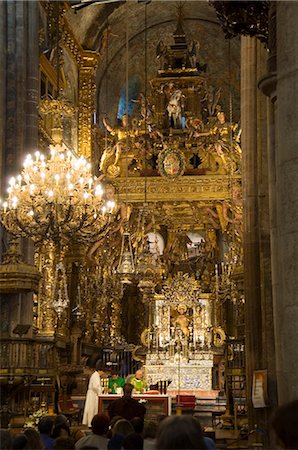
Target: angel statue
{"x": 111, "y": 155}
{"x": 162, "y": 55}
{"x": 146, "y": 108}
{"x": 211, "y": 97}
{"x": 193, "y": 50}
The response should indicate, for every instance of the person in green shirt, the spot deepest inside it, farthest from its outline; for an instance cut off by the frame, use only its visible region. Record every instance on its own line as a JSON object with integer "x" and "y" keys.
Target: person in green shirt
{"x": 115, "y": 382}
{"x": 138, "y": 382}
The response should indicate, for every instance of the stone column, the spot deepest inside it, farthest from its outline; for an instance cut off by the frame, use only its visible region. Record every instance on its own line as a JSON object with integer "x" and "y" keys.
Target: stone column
{"x": 286, "y": 304}
{"x": 18, "y": 102}
{"x": 250, "y": 214}
{"x": 2, "y": 106}
{"x": 267, "y": 84}
{"x": 257, "y": 268}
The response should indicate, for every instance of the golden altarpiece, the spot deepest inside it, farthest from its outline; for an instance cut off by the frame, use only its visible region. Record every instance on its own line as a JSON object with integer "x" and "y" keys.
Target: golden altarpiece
{"x": 174, "y": 170}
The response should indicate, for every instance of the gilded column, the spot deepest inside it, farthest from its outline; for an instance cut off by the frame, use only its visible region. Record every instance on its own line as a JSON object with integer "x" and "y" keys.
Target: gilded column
{"x": 86, "y": 101}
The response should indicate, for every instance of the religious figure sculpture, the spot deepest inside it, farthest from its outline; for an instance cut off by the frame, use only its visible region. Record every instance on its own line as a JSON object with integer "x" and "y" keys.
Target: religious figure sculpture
{"x": 111, "y": 155}
{"x": 182, "y": 320}
{"x": 193, "y": 50}
{"x": 162, "y": 55}
{"x": 175, "y": 107}
{"x": 211, "y": 98}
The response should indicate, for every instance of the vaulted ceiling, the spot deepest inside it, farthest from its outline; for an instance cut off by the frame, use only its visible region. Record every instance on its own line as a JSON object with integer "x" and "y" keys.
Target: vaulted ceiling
{"x": 93, "y": 24}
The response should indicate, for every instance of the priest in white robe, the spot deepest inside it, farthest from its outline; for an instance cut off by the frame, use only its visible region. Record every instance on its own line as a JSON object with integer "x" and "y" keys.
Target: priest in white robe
{"x": 94, "y": 390}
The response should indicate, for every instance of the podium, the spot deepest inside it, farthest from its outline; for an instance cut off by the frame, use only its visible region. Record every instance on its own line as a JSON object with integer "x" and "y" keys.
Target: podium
{"x": 155, "y": 404}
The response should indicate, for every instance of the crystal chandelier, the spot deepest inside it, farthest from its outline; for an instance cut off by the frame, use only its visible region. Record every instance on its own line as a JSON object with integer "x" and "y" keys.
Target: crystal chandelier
{"x": 57, "y": 200}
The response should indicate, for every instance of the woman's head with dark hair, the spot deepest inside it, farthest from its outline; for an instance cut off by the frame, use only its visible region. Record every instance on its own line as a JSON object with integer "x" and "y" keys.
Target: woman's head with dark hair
{"x": 46, "y": 425}
{"x": 133, "y": 441}
{"x": 33, "y": 439}
{"x": 180, "y": 432}
{"x": 285, "y": 424}
{"x": 100, "y": 424}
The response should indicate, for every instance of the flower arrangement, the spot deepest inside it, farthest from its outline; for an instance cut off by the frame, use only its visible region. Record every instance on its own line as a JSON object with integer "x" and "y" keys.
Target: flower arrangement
{"x": 34, "y": 418}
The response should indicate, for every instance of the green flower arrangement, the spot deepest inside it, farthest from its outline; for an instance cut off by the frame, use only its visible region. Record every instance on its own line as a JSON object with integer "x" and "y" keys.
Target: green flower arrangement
{"x": 34, "y": 418}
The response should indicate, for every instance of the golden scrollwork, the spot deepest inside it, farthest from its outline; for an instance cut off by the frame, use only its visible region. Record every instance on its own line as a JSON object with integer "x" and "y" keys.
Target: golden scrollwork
{"x": 86, "y": 101}
{"x": 219, "y": 336}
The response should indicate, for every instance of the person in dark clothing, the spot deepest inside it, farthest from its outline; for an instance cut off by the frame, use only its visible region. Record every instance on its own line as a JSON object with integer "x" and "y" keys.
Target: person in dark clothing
{"x": 285, "y": 424}
{"x": 126, "y": 406}
{"x": 19, "y": 442}
{"x": 45, "y": 427}
{"x": 5, "y": 440}
{"x": 64, "y": 443}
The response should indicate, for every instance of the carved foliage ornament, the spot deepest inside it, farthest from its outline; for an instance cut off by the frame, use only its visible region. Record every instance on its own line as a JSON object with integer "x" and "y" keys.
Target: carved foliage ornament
{"x": 249, "y": 18}
{"x": 181, "y": 289}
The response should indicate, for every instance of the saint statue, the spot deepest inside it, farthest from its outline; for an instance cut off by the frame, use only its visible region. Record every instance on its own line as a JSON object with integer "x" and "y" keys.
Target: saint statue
{"x": 182, "y": 320}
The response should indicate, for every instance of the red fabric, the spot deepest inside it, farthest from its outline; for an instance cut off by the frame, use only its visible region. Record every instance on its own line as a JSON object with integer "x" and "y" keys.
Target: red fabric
{"x": 186, "y": 401}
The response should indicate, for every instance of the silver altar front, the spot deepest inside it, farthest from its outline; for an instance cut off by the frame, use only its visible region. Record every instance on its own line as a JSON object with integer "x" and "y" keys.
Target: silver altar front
{"x": 180, "y": 338}
{"x": 194, "y": 374}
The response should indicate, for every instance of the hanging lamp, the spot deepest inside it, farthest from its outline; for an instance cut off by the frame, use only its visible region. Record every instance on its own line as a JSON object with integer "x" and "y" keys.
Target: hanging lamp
{"x": 126, "y": 266}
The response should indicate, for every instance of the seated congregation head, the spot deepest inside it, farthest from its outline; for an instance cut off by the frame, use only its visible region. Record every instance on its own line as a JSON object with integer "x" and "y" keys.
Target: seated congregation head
{"x": 46, "y": 425}
{"x": 61, "y": 428}
{"x": 33, "y": 439}
{"x": 150, "y": 429}
{"x": 127, "y": 389}
{"x": 64, "y": 443}
{"x": 5, "y": 440}
{"x": 133, "y": 441}
{"x": 285, "y": 425}
{"x": 112, "y": 423}
{"x": 138, "y": 424}
{"x": 123, "y": 427}
{"x": 100, "y": 424}
{"x": 19, "y": 442}
{"x": 180, "y": 432}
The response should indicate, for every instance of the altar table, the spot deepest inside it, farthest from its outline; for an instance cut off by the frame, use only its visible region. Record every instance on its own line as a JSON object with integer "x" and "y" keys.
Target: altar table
{"x": 155, "y": 404}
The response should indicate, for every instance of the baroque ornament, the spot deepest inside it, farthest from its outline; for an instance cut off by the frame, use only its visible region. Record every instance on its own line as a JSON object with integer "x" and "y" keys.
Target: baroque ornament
{"x": 171, "y": 163}
{"x": 181, "y": 289}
